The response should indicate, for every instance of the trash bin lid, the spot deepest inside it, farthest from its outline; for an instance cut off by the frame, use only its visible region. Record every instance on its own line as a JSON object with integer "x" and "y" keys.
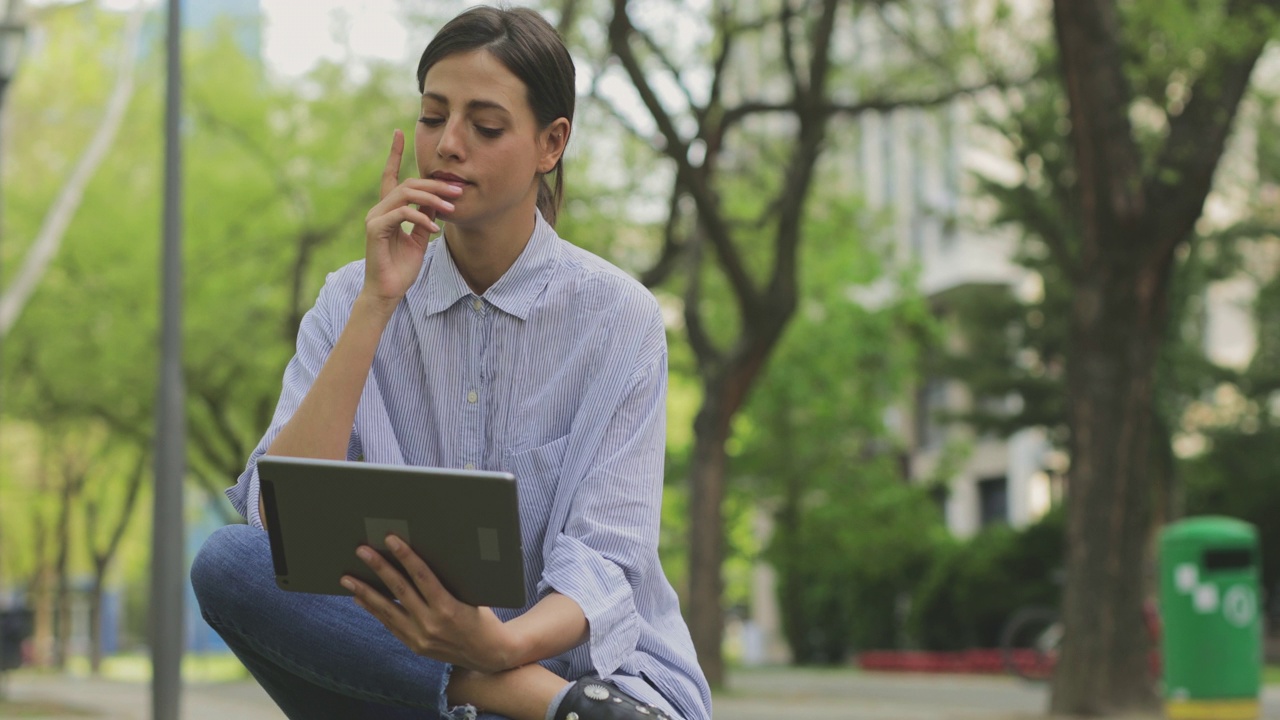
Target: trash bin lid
{"x": 1208, "y": 529}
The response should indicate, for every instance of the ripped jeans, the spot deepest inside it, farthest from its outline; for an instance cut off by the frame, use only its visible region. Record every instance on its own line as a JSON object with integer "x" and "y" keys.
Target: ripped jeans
{"x": 317, "y": 656}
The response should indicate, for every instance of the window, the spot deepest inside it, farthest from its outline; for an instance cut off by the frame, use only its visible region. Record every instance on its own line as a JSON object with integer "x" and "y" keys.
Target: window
{"x": 993, "y": 501}
{"x": 930, "y": 399}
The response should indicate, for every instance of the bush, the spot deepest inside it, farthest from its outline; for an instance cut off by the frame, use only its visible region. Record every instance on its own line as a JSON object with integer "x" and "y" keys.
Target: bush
{"x": 844, "y": 558}
{"x": 972, "y": 587}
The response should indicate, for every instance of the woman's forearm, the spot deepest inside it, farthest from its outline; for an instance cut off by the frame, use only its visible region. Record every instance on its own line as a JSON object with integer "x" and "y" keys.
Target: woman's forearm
{"x": 555, "y": 625}
{"x": 321, "y": 426}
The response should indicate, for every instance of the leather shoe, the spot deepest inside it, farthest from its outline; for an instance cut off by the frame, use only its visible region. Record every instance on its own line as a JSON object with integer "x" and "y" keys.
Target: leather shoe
{"x": 594, "y": 699}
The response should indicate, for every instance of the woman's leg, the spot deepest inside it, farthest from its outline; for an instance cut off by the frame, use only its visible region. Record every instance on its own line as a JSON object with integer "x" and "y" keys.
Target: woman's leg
{"x": 318, "y": 656}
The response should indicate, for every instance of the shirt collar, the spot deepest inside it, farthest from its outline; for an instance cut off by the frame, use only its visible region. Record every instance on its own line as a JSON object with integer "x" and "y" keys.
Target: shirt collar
{"x": 514, "y": 293}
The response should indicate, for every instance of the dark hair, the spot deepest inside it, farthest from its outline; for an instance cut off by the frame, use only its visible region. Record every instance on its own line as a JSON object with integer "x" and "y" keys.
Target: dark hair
{"x": 532, "y": 50}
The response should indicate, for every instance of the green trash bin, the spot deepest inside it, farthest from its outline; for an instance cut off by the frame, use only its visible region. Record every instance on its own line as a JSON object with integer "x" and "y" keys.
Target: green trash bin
{"x": 1209, "y": 607}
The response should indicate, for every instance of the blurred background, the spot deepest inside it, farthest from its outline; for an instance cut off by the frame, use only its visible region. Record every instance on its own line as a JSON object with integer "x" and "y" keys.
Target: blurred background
{"x": 901, "y": 328}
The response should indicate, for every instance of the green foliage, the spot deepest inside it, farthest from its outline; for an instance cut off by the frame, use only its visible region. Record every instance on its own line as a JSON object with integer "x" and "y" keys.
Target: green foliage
{"x": 1239, "y": 474}
{"x": 972, "y": 587}
{"x": 849, "y": 534}
{"x": 1018, "y": 346}
{"x": 278, "y": 178}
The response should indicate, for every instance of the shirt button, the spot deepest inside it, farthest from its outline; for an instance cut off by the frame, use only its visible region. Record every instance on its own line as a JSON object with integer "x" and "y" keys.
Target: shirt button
{"x": 469, "y": 466}
{"x": 472, "y": 397}
{"x": 477, "y": 304}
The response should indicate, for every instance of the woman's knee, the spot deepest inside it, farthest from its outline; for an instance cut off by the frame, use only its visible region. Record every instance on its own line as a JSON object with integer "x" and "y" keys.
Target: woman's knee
{"x": 225, "y": 562}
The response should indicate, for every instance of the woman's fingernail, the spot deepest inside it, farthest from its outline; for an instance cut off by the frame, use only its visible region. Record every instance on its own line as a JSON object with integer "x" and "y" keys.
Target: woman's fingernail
{"x": 365, "y": 554}
{"x": 448, "y": 206}
{"x": 348, "y": 584}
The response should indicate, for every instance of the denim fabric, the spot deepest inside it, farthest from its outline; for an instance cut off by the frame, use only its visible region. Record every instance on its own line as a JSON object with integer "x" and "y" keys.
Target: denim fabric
{"x": 317, "y": 656}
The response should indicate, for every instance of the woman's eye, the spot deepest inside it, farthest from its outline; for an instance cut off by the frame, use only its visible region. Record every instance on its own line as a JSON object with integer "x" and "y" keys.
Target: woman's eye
{"x": 431, "y": 121}
{"x": 488, "y": 131}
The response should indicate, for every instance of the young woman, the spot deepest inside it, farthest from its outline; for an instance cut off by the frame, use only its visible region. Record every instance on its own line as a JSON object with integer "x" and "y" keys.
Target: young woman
{"x": 498, "y": 346}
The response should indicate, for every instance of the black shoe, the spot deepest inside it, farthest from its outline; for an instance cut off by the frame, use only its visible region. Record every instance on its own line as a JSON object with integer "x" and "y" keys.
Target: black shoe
{"x": 595, "y": 699}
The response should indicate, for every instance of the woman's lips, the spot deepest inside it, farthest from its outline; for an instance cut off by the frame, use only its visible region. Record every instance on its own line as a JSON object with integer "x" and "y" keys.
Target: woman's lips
{"x": 450, "y": 178}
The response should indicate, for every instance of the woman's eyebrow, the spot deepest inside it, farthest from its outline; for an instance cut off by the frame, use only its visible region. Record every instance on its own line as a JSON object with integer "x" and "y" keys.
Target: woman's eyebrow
{"x": 476, "y": 104}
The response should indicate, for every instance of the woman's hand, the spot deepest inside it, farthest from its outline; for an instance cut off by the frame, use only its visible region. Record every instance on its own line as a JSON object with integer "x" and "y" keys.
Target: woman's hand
{"x": 393, "y": 257}
{"x": 428, "y": 619}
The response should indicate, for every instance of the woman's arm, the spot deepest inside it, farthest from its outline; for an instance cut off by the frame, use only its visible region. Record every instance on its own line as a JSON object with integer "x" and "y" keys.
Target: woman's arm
{"x": 433, "y": 623}
{"x": 555, "y": 625}
{"x": 321, "y": 426}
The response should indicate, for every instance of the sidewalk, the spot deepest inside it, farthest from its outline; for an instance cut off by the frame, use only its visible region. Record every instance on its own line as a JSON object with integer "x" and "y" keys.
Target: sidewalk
{"x": 757, "y": 694}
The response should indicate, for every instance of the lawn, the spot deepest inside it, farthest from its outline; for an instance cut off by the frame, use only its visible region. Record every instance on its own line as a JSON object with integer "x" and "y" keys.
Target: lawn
{"x": 207, "y": 667}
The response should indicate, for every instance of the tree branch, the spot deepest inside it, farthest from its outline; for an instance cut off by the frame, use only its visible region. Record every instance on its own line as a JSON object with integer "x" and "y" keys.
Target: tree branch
{"x": 783, "y": 289}
{"x": 216, "y": 409}
{"x": 568, "y": 17}
{"x": 785, "y": 16}
{"x": 705, "y": 119}
{"x": 704, "y": 350}
{"x": 668, "y": 65}
{"x": 671, "y": 244}
{"x": 739, "y": 112}
{"x": 1198, "y": 136}
{"x": 677, "y": 149}
{"x": 126, "y": 513}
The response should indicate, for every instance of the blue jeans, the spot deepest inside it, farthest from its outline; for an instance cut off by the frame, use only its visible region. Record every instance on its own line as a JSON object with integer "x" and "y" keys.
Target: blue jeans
{"x": 317, "y": 656}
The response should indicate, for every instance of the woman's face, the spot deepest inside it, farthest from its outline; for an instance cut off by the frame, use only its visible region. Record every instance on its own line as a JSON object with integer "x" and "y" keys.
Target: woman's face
{"x": 477, "y": 131}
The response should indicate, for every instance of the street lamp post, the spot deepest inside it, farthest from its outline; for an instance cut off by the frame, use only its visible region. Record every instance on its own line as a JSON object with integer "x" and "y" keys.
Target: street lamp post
{"x": 167, "y": 577}
{"x": 12, "y": 36}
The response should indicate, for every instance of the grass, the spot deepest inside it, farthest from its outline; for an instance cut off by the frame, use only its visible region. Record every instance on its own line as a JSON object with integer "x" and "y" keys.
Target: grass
{"x": 200, "y": 668}
{"x": 38, "y": 709}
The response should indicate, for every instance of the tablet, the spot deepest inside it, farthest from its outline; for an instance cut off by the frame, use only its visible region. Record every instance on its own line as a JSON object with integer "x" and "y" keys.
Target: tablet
{"x": 464, "y": 523}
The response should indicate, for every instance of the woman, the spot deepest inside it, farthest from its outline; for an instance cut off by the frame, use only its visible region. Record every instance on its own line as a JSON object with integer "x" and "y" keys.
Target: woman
{"x": 498, "y": 346}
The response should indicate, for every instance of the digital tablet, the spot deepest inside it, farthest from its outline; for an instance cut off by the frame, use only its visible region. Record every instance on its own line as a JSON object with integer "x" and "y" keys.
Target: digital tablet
{"x": 464, "y": 523}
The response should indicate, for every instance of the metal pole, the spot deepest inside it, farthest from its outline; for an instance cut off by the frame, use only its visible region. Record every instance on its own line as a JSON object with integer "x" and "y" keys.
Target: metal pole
{"x": 167, "y": 561}
{"x": 12, "y": 8}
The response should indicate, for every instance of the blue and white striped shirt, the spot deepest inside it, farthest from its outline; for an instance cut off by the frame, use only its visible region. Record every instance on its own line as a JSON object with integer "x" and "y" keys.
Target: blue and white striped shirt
{"x": 557, "y": 374}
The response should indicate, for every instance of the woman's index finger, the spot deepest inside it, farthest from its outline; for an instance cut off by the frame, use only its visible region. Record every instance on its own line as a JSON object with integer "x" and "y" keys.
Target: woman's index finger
{"x": 419, "y": 572}
{"x": 391, "y": 173}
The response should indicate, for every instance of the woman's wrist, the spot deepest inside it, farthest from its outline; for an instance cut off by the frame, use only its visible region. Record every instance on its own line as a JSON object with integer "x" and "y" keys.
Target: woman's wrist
{"x": 511, "y": 647}
{"x": 373, "y": 307}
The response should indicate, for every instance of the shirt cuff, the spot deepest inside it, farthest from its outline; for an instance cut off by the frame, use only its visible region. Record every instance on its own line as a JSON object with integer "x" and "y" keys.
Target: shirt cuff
{"x": 603, "y": 592}
{"x": 252, "y": 513}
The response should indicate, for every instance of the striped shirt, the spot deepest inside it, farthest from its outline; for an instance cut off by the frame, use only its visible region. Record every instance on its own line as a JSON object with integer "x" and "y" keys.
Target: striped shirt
{"x": 557, "y": 374}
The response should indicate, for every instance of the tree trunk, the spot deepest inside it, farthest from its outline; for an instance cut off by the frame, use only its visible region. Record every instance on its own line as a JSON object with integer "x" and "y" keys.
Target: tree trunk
{"x": 1116, "y": 331}
{"x": 61, "y": 589}
{"x": 95, "y": 618}
{"x": 706, "y": 530}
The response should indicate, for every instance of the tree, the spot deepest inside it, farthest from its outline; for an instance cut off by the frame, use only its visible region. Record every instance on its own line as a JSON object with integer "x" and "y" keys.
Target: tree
{"x": 813, "y": 447}
{"x": 278, "y": 176}
{"x": 1133, "y": 205}
{"x": 49, "y": 239}
{"x": 100, "y": 501}
{"x": 718, "y": 144}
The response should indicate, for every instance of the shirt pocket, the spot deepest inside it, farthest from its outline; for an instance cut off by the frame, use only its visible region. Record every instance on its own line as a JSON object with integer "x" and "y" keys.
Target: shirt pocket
{"x": 537, "y": 472}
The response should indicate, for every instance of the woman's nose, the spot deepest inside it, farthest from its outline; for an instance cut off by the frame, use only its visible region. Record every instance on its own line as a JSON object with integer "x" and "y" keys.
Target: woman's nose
{"x": 451, "y": 142}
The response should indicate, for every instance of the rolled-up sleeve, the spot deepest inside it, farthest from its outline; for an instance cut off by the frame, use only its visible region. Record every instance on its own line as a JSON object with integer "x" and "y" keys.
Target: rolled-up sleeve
{"x": 316, "y": 338}
{"x": 609, "y": 542}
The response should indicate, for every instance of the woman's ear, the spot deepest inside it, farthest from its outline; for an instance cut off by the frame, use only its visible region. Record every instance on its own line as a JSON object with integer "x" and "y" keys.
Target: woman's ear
{"x": 552, "y": 141}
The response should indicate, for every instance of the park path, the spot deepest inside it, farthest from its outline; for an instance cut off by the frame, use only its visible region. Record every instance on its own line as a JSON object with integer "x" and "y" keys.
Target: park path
{"x": 757, "y": 694}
